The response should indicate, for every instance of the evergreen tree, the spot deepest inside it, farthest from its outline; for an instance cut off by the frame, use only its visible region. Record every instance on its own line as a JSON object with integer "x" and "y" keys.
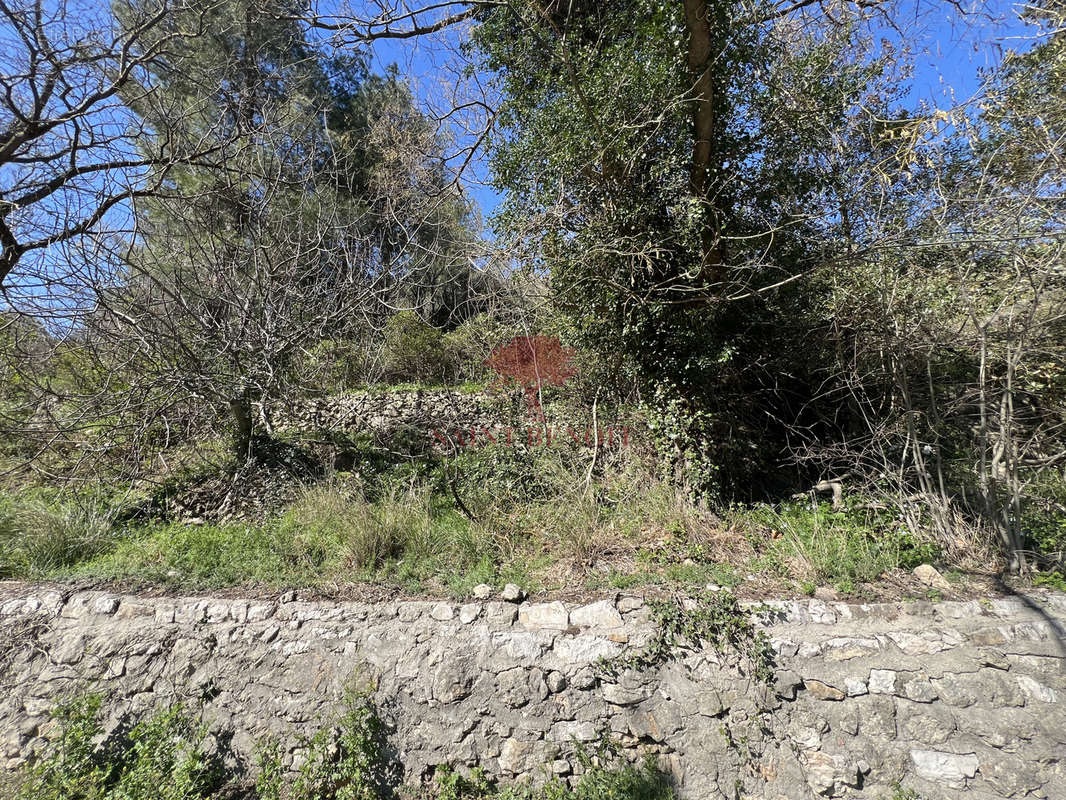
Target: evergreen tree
{"x": 669, "y": 165}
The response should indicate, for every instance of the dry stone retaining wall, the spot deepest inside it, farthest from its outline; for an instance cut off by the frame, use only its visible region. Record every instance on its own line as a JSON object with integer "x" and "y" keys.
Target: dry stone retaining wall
{"x": 387, "y": 412}
{"x": 953, "y": 699}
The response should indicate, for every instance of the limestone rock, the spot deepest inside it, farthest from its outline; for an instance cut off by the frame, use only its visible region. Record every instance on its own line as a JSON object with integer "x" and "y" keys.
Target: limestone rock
{"x": 951, "y": 768}
{"x": 823, "y": 691}
{"x": 584, "y": 649}
{"x": 602, "y": 615}
{"x": 855, "y": 687}
{"x": 552, "y": 615}
{"x": 882, "y": 681}
{"x": 929, "y": 575}
{"x": 442, "y": 612}
{"x": 512, "y": 593}
{"x": 501, "y": 614}
{"x": 915, "y": 697}
{"x": 578, "y": 731}
{"x": 469, "y": 612}
{"x": 556, "y": 681}
{"x": 452, "y": 681}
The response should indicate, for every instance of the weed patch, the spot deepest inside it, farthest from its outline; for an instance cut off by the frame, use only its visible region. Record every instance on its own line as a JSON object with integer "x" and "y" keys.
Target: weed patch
{"x": 165, "y": 757}
{"x": 36, "y": 538}
{"x": 822, "y": 546}
{"x": 710, "y": 618}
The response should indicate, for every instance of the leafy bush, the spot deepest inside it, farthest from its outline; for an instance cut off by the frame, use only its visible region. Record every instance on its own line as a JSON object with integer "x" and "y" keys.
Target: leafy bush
{"x": 160, "y": 758}
{"x": 414, "y": 350}
{"x": 348, "y": 760}
{"x": 469, "y": 346}
{"x": 165, "y": 757}
{"x": 1050, "y": 580}
{"x": 716, "y": 619}
{"x": 1044, "y": 516}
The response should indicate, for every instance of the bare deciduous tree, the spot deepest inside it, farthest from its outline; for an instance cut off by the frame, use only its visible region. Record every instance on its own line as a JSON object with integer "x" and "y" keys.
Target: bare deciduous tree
{"x": 71, "y": 152}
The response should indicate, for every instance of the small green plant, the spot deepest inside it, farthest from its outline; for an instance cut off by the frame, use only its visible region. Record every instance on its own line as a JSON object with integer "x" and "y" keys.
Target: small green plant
{"x": 901, "y": 793}
{"x": 160, "y": 758}
{"x": 712, "y": 618}
{"x": 1050, "y": 580}
{"x": 845, "y": 586}
{"x": 271, "y": 776}
{"x": 348, "y": 760}
{"x": 448, "y": 784}
{"x": 605, "y": 775}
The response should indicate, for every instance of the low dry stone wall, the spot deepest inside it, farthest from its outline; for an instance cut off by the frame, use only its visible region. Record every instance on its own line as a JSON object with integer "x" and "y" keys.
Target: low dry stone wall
{"x": 388, "y": 412}
{"x": 952, "y": 699}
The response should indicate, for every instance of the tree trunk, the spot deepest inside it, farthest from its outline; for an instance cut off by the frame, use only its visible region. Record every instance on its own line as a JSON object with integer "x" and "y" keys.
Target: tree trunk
{"x": 241, "y": 408}
{"x": 704, "y": 122}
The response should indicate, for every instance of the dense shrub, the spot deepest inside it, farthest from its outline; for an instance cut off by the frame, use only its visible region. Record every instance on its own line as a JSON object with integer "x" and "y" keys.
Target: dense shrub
{"x": 165, "y": 757}
{"x": 414, "y": 350}
{"x": 469, "y": 346}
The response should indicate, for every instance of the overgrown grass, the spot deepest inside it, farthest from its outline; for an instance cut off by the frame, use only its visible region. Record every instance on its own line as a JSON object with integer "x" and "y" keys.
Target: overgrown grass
{"x": 331, "y": 535}
{"x": 166, "y": 756}
{"x": 821, "y": 546}
{"x": 489, "y": 515}
{"x": 38, "y": 538}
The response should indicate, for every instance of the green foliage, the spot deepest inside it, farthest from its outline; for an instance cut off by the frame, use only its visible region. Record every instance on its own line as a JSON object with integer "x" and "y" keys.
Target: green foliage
{"x": 348, "y": 760}
{"x": 338, "y": 365}
{"x": 499, "y": 475}
{"x": 901, "y": 793}
{"x": 682, "y": 435}
{"x": 270, "y": 778}
{"x": 37, "y": 538}
{"x": 1043, "y": 519}
{"x": 202, "y": 556}
{"x": 606, "y": 776}
{"x": 469, "y": 345}
{"x": 595, "y": 150}
{"x": 825, "y": 546}
{"x": 414, "y": 350}
{"x": 708, "y": 618}
{"x": 330, "y": 534}
{"x": 1050, "y": 580}
{"x": 328, "y": 522}
{"x": 162, "y": 757}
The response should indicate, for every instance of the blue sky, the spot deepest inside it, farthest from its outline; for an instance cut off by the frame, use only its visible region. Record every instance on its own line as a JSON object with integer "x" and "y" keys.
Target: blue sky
{"x": 949, "y": 51}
